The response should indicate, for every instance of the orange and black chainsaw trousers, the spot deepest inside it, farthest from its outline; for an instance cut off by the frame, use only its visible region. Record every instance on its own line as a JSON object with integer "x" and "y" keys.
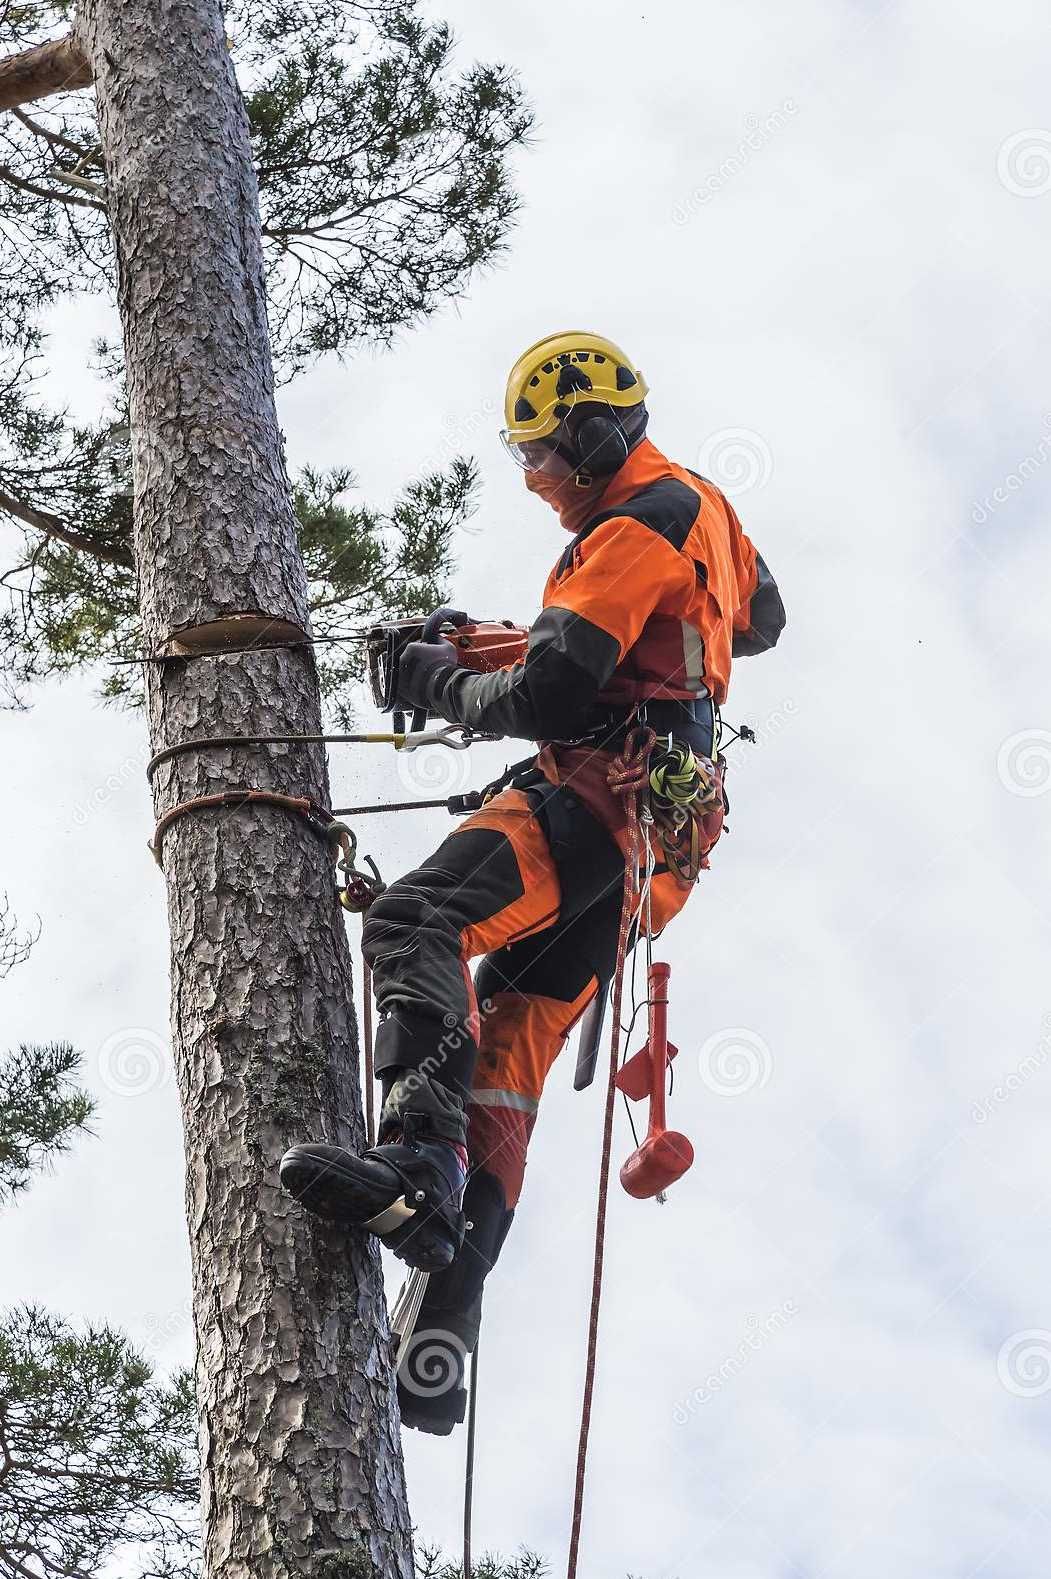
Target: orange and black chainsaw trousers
{"x": 533, "y": 882}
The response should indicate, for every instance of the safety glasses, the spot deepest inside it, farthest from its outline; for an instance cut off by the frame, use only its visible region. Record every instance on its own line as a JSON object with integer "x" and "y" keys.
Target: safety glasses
{"x": 537, "y": 455}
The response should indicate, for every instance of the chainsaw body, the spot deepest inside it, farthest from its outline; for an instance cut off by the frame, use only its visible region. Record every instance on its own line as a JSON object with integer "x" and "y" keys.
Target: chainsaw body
{"x": 481, "y": 645}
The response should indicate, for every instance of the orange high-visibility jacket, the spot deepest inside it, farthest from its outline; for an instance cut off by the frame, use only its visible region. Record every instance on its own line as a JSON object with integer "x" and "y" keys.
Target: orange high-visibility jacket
{"x": 654, "y": 596}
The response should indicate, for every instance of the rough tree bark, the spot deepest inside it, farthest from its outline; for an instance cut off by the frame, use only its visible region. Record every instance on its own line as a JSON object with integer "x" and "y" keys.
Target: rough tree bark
{"x": 301, "y": 1452}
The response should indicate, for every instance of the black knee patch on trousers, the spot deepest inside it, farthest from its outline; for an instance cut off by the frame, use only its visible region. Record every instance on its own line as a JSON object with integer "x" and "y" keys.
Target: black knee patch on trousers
{"x": 546, "y": 964}
{"x": 444, "y": 1053}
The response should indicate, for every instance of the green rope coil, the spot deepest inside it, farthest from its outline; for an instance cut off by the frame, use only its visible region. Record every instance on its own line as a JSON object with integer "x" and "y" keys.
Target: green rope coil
{"x": 677, "y": 778}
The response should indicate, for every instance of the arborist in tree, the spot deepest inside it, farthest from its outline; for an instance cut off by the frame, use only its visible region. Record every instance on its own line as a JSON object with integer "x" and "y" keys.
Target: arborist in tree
{"x": 658, "y": 589}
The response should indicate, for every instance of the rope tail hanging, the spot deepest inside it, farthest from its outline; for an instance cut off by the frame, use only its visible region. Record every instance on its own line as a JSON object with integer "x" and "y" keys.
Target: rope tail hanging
{"x": 468, "y": 1485}
{"x": 368, "y": 1048}
{"x": 359, "y": 891}
{"x": 627, "y": 778}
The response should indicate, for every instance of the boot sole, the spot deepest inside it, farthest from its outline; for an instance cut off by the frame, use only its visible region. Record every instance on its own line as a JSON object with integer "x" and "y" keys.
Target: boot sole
{"x": 430, "y": 1426}
{"x": 343, "y": 1190}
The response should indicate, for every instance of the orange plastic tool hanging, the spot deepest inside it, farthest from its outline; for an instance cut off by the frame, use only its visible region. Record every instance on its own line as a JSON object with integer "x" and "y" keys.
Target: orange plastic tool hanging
{"x": 665, "y": 1154}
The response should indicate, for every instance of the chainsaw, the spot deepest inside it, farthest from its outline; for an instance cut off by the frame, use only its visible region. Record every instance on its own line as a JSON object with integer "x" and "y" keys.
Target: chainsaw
{"x": 481, "y": 645}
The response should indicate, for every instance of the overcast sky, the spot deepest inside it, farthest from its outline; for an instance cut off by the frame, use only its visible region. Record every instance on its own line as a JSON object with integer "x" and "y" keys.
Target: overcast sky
{"x": 824, "y": 234}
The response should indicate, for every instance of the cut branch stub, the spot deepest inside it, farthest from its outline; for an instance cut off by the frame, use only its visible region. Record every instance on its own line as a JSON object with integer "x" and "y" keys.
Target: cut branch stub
{"x": 55, "y": 67}
{"x": 238, "y": 631}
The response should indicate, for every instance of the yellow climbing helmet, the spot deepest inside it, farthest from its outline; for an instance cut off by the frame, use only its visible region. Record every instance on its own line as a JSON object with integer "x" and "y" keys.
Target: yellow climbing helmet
{"x": 556, "y": 374}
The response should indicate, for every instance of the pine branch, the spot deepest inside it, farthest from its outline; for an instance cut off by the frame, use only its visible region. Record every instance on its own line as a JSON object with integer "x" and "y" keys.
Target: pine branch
{"x": 41, "y": 1109}
{"x": 99, "y": 1457}
{"x": 52, "y": 527}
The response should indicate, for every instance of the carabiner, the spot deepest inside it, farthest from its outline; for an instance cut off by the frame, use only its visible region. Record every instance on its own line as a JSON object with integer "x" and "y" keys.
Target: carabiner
{"x": 456, "y": 736}
{"x": 359, "y": 888}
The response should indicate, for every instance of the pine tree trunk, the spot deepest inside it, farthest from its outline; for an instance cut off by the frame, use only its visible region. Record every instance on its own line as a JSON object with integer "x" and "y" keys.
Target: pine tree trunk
{"x": 301, "y": 1452}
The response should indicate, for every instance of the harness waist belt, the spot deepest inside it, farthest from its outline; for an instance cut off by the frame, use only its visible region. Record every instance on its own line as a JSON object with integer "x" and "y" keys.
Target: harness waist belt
{"x": 693, "y": 722}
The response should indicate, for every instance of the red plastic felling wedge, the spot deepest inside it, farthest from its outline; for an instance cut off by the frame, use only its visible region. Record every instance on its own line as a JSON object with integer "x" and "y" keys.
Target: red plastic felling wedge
{"x": 665, "y": 1154}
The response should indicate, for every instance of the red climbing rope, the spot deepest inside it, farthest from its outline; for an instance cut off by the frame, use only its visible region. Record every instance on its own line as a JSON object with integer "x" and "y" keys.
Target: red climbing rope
{"x": 627, "y": 778}
{"x": 315, "y": 815}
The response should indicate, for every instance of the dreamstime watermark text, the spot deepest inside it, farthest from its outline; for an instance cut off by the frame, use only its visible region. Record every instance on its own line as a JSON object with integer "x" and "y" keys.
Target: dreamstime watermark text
{"x": 456, "y": 1035}
{"x": 1023, "y": 472}
{"x": 131, "y": 768}
{"x": 758, "y": 1332}
{"x": 1004, "y": 1090}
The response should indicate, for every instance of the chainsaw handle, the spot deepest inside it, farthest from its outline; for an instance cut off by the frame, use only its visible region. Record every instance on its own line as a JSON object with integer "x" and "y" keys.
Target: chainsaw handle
{"x": 432, "y": 632}
{"x": 432, "y": 625}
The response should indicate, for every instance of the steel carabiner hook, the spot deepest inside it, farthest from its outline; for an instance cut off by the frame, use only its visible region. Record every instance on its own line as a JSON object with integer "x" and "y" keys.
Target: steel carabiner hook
{"x": 359, "y": 888}
{"x": 456, "y": 736}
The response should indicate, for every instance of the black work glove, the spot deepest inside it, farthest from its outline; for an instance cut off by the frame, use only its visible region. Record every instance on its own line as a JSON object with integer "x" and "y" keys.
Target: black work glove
{"x": 422, "y": 668}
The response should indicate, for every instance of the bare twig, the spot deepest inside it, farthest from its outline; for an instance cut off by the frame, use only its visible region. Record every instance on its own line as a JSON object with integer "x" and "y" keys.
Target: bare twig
{"x": 8, "y": 175}
{"x": 84, "y": 155}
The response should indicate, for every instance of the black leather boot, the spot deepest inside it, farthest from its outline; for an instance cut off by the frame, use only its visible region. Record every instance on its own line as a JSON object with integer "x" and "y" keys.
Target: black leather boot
{"x": 408, "y": 1190}
{"x": 431, "y": 1391}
